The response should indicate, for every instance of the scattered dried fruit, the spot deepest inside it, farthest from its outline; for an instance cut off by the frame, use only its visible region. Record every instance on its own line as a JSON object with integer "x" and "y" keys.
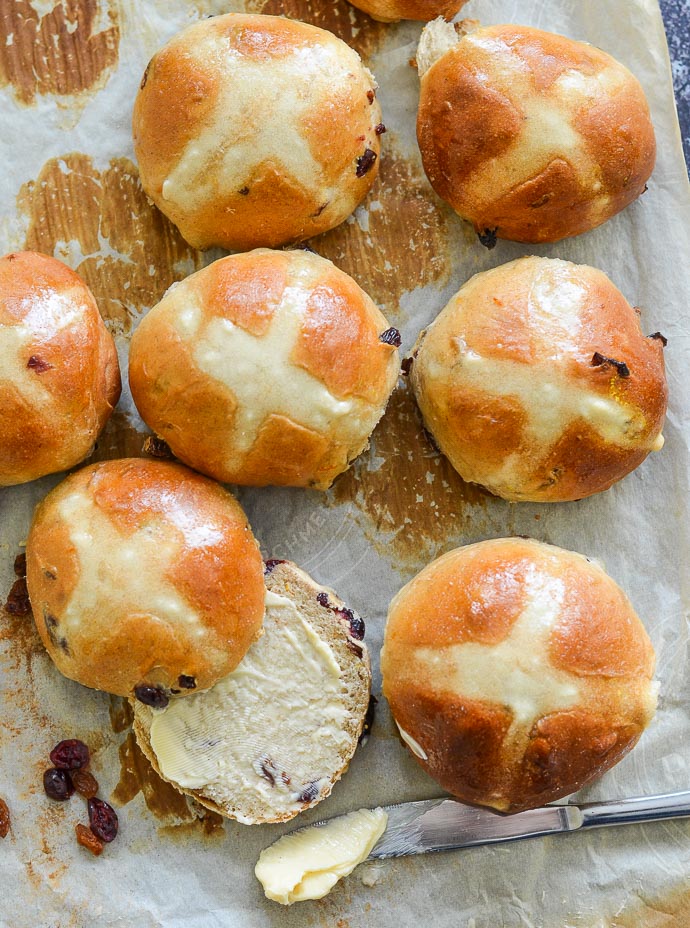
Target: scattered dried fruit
{"x": 57, "y": 784}
{"x": 18, "y": 599}
{"x": 272, "y": 563}
{"x": 85, "y": 783}
{"x": 70, "y": 754}
{"x": 323, "y": 600}
{"x": 152, "y": 696}
{"x": 88, "y": 839}
{"x": 20, "y": 561}
{"x": 103, "y": 820}
{"x": 4, "y": 819}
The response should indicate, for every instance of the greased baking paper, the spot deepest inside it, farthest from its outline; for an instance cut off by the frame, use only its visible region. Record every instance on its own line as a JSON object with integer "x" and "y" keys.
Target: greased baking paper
{"x": 68, "y": 75}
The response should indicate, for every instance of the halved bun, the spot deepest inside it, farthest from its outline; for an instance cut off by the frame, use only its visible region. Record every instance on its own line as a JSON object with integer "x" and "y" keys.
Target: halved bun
{"x": 271, "y": 739}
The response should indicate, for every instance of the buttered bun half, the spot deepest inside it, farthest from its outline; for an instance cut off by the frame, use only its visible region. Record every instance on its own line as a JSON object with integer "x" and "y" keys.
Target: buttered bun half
{"x": 272, "y": 738}
{"x": 390, "y": 11}
{"x": 144, "y": 579}
{"x": 537, "y": 382}
{"x": 256, "y": 130}
{"x": 59, "y": 374}
{"x": 517, "y": 672}
{"x": 269, "y": 367}
{"x": 530, "y": 136}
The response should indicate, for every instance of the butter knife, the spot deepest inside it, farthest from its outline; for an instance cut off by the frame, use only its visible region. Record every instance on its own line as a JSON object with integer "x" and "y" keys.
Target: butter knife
{"x": 445, "y": 824}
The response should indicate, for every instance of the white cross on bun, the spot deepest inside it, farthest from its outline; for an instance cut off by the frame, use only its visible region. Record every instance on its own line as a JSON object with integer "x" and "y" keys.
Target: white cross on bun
{"x": 271, "y": 367}
{"x": 517, "y": 672}
{"x": 390, "y": 11}
{"x": 537, "y": 382}
{"x": 256, "y": 130}
{"x": 271, "y": 739}
{"x": 144, "y": 578}
{"x": 58, "y": 365}
{"x": 529, "y": 135}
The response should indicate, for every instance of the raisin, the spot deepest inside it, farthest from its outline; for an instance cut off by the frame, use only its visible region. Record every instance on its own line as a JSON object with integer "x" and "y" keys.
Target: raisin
{"x": 488, "y": 238}
{"x": 391, "y": 337}
{"x": 244, "y": 191}
{"x": 600, "y": 360}
{"x": 323, "y": 600}
{"x": 38, "y": 364}
{"x": 88, "y": 839}
{"x": 18, "y": 599}
{"x": 85, "y": 783}
{"x": 272, "y": 563}
{"x": 70, "y": 754}
{"x": 156, "y": 447}
{"x": 20, "y": 559}
{"x": 103, "y": 820}
{"x": 57, "y": 784}
{"x": 355, "y": 648}
{"x": 356, "y": 623}
{"x": 380, "y": 129}
{"x": 4, "y": 819}
{"x": 365, "y": 162}
{"x": 187, "y": 682}
{"x": 151, "y": 696}
{"x": 658, "y": 335}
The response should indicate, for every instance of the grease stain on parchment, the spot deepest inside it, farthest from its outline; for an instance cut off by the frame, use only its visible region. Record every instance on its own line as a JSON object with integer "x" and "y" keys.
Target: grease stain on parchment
{"x": 102, "y": 225}
{"x": 409, "y": 495}
{"x": 397, "y": 237}
{"x": 347, "y": 22}
{"x": 63, "y": 52}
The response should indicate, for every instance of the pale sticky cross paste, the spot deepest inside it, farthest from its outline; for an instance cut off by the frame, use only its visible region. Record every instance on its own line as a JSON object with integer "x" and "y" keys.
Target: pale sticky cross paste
{"x": 259, "y": 372}
{"x": 120, "y": 569}
{"x": 267, "y": 731}
{"x": 515, "y": 673}
{"x": 47, "y": 315}
{"x": 547, "y": 132}
{"x": 266, "y": 101}
{"x": 307, "y": 864}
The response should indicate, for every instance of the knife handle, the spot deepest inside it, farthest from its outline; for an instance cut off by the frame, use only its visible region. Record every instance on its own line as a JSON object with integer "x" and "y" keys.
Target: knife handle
{"x": 628, "y": 811}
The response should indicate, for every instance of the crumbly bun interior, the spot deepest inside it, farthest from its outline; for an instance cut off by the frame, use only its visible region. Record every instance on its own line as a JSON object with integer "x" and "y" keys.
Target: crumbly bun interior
{"x": 58, "y": 365}
{"x": 537, "y": 381}
{"x": 270, "y": 367}
{"x": 270, "y": 740}
{"x": 144, "y": 577}
{"x": 517, "y": 672}
{"x": 530, "y": 136}
{"x": 256, "y": 130}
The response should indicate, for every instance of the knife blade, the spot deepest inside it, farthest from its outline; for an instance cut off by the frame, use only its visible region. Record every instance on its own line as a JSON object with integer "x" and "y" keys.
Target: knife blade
{"x": 445, "y": 824}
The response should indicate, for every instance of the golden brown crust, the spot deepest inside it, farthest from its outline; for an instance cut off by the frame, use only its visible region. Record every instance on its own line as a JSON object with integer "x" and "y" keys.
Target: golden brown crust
{"x": 390, "y": 11}
{"x": 264, "y": 368}
{"x": 58, "y": 364}
{"x": 533, "y": 135}
{"x": 249, "y": 130}
{"x": 508, "y": 382}
{"x": 140, "y": 572}
{"x": 520, "y": 670}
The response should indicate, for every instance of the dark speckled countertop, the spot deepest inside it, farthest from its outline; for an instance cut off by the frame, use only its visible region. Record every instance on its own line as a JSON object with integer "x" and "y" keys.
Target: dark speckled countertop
{"x": 677, "y": 19}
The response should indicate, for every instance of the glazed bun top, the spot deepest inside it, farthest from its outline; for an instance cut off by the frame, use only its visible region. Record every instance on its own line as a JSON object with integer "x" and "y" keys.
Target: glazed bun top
{"x": 537, "y": 382}
{"x": 58, "y": 368}
{"x": 517, "y": 672}
{"x": 256, "y": 130}
{"x": 144, "y": 579}
{"x": 390, "y": 11}
{"x": 530, "y": 136}
{"x": 271, "y": 367}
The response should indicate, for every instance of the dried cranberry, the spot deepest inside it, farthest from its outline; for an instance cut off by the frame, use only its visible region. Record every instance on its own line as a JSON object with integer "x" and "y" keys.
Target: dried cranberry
{"x": 57, "y": 784}
{"x": 323, "y": 600}
{"x": 70, "y": 754}
{"x": 272, "y": 563}
{"x": 380, "y": 129}
{"x": 85, "y": 783}
{"x": 103, "y": 820}
{"x": 88, "y": 839}
{"x": 365, "y": 162}
{"x": 356, "y": 623}
{"x": 151, "y": 696}
{"x": 4, "y": 819}
{"x": 20, "y": 559}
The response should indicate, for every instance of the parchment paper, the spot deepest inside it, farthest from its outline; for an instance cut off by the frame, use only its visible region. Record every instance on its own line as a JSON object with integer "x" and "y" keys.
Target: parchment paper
{"x": 69, "y": 72}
